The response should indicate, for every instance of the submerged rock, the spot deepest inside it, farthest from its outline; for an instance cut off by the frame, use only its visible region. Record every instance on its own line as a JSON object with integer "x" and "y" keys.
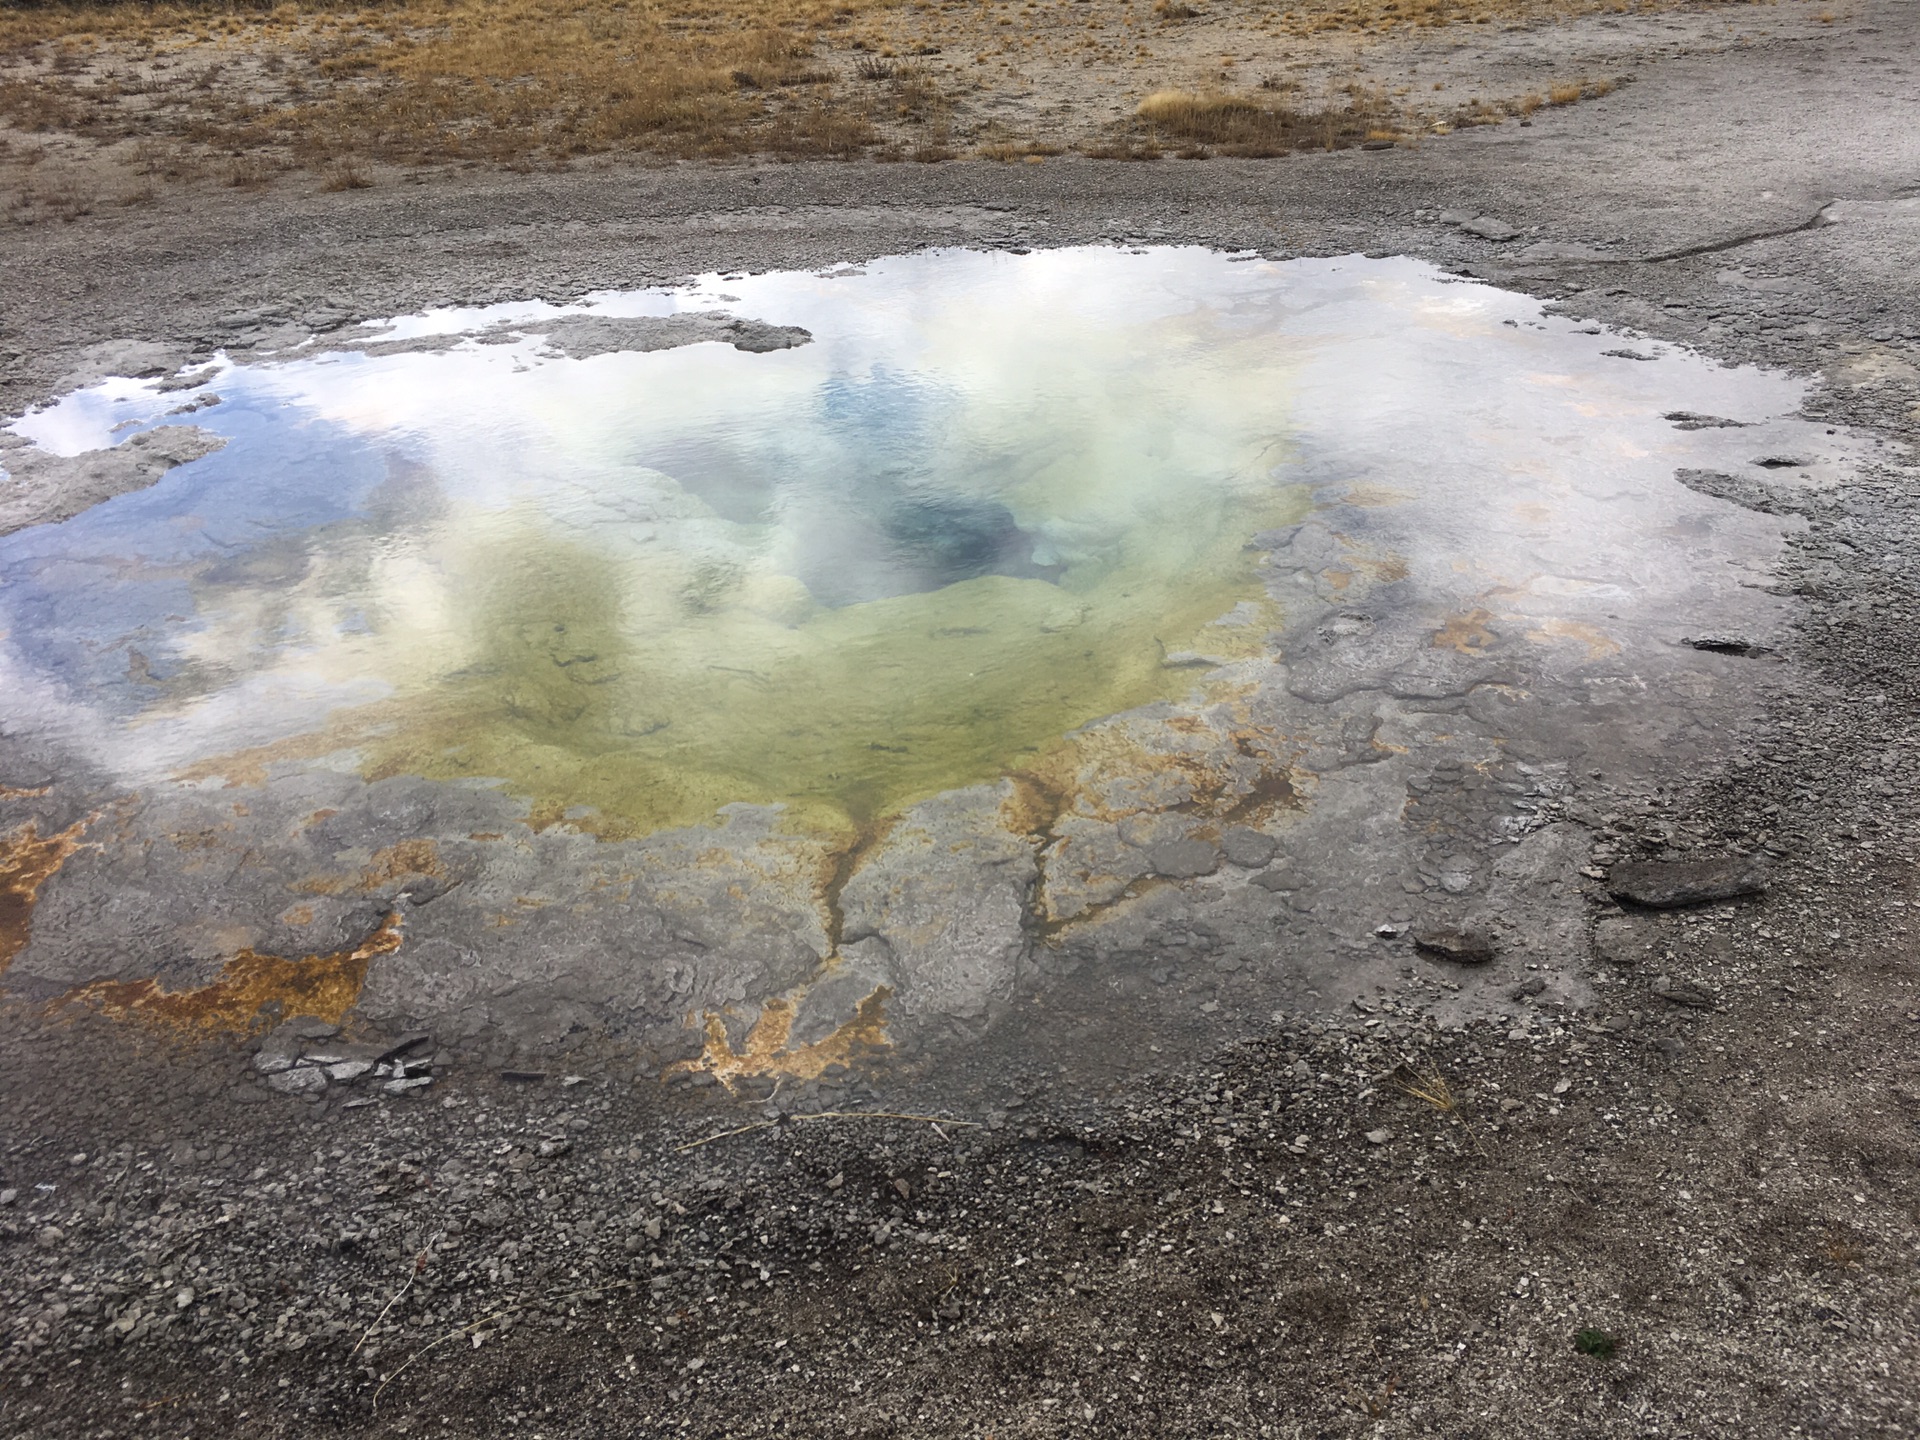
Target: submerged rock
{"x": 41, "y": 488}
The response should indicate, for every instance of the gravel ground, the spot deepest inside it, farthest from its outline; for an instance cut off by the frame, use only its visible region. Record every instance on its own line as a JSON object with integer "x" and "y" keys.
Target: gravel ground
{"x": 1685, "y": 1210}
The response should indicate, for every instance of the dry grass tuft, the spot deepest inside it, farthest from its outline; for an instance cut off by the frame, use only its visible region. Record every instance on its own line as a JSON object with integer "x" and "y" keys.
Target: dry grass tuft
{"x": 1009, "y": 151}
{"x": 1235, "y": 124}
{"x": 1430, "y": 1087}
{"x": 345, "y": 176}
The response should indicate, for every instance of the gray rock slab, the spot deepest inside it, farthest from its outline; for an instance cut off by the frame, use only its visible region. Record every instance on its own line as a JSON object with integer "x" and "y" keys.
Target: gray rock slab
{"x": 947, "y": 896}
{"x": 301, "y": 1080}
{"x": 1488, "y": 228}
{"x": 1247, "y": 848}
{"x": 41, "y": 488}
{"x": 1665, "y": 884}
{"x": 1184, "y": 859}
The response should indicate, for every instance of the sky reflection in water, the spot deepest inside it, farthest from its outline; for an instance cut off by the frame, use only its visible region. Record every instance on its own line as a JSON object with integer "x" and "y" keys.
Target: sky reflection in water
{"x": 996, "y": 498}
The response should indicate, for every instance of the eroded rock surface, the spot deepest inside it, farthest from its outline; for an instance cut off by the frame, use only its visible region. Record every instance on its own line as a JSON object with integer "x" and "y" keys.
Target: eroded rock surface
{"x": 40, "y": 488}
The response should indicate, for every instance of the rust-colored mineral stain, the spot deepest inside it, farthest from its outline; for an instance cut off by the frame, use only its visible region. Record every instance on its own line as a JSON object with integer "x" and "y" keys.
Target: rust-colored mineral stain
{"x": 399, "y": 861}
{"x": 1034, "y": 805}
{"x": 1376, "y": 497}
{"x": 1382, "y": 569}
{"x": 841, "y": 867}
{"x": 249, "y": 988}
{"x": 1467, "y": 633}
{"x": 1599, "y": 644}
{"x": 767, "y": 1051}
{"x": 27, "y": 860}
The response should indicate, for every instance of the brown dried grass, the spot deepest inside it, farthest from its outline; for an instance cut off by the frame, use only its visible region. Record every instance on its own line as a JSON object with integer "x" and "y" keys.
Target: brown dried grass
{"x": 1241, "y": 124}
{"x": 327, "y": 84}
{"x": 441, "y": 79}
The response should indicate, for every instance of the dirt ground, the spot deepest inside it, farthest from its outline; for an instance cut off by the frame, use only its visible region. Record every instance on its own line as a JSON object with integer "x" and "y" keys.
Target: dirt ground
{"x": 112, "y": 105}
{"x": 1687, "y": 1209}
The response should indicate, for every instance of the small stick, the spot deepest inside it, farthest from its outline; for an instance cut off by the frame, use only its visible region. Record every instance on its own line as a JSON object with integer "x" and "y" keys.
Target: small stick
{"x": 419, "y": 1264}
{"x": 724, "y": 1134}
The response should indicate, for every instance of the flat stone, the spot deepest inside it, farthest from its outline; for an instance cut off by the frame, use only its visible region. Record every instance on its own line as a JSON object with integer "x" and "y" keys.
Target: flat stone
{"x": 343, "y": 1070}
{"x": 1726, "y": 645}
{"x": 337, "y": 1054}
{"x": 1682, "y": 992}
{"x": 272, "y": 1062}
{"x": 302, "y": 1080}
{"x": 1693, "y": 420}
{"x": 1665, "y": 884}
{"x": 1247, "y": 848}
{"x": 1462, "y": 945}
{"x": 1184, "y": 859}
{"x": 1488, "y": 228}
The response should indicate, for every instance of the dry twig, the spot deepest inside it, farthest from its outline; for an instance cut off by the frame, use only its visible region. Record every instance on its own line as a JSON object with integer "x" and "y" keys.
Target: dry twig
{"x": 419, "y": 1266}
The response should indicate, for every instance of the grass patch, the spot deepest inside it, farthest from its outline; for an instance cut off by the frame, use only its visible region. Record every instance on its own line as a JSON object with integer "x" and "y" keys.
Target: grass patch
{"x": 429, "y": 80}
{"x": 1008, "y": 152}
{"x": 1600, "y": 1344}
{"x": 1241, "y": 124}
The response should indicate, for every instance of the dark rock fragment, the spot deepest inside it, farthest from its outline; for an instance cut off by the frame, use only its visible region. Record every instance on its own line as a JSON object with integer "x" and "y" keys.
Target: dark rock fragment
{"x": 1726, "y": 645}
{"x": 1690, "y": 420}
{"x": 1666, "y": 884}
{"x": 1682, "y": 992}
{"x": 1467, "y": 945}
